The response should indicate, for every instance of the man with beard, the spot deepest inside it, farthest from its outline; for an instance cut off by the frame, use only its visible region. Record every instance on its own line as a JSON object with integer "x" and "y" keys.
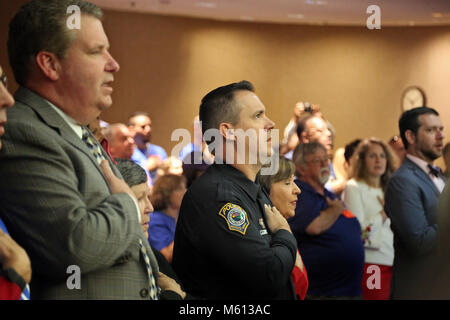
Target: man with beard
{"x": 315, "y": 128}
{"x": 328, "y": 236}
{"x": 411, "y": 202}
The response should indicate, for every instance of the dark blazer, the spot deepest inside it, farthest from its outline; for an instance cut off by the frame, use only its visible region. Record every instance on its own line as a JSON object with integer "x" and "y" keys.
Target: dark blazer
{"x": 441, "y": 284}
{"x": 56, "y": 203}
{"x": 411, "y": 202}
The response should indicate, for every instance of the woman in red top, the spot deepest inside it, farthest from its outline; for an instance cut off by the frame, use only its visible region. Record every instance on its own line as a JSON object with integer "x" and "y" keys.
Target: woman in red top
{"x": 283, "y": 193}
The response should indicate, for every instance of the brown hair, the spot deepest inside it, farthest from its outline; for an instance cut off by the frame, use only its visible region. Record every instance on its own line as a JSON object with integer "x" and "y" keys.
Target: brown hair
{"x": 163, "y": 188}
{"x": 41, "y": 25}
{"x": 360, "y": 170}
{"x": 286, "y": 169}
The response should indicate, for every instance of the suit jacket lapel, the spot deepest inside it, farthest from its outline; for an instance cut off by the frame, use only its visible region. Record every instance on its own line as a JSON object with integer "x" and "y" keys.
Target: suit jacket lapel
{"x": 422, "y": 175}
{"x": 54, "y": 120}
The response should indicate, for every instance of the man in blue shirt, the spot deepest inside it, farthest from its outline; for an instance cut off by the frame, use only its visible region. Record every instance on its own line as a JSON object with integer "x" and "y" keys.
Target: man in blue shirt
{"x": 316, "y": 128}
{"x": 328, "y": 236}
{"x": 196, "y": 144}
{"x": 147, "y": 155}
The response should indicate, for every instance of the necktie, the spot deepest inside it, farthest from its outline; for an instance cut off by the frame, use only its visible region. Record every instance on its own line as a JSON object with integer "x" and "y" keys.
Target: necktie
{"x": 92, "y": 145}
{"x": 435, "y": 171}
{"x": 151, "y": 278}
{"x": 97, "y": 152}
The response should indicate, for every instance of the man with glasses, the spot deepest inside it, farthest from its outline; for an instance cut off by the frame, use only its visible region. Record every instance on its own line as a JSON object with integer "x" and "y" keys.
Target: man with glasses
{"x": 316, "y": 128}
{"x": 328, "y": 236}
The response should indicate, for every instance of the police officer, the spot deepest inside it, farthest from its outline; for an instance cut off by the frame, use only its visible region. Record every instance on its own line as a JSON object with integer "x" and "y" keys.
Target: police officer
{"x": 230, "y": 243}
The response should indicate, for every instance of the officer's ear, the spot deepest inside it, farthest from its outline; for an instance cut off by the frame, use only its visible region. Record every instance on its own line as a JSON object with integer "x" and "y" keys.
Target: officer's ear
{"x": 227, "y": 131}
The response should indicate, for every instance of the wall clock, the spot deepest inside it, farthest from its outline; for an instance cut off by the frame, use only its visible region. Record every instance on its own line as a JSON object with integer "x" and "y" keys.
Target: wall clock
{"x": 413, "y": 97}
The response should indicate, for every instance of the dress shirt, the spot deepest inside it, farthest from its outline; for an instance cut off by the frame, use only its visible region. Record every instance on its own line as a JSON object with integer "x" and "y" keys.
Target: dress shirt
{"x": 438, "y": 182}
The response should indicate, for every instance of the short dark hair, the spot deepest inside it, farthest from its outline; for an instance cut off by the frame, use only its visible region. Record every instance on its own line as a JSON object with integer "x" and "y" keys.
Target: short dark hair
{"x": 350, "y": 149}
{"x": 41, "y": 25}
{"x": 131, "y": 172}
{"x": 410, "y": 121}
{"x": 220, "y": 105}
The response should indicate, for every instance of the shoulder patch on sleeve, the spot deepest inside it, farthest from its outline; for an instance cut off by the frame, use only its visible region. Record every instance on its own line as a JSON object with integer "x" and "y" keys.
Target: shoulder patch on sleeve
{"x": 235, "y": 216}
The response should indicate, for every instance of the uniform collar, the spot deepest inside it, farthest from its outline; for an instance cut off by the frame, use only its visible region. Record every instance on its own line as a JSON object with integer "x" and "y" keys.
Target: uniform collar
{"x": 250, "y": 187}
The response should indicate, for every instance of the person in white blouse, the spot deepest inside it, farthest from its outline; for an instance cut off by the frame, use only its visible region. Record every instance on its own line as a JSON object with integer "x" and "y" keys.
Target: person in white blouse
{"x": 364, "y": 197}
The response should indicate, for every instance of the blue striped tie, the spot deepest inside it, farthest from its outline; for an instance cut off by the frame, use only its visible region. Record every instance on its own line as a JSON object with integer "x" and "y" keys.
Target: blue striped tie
{"x": 97, "y": 152}
{"x": 95, "y": 148}
{"x": 151, "y": 278}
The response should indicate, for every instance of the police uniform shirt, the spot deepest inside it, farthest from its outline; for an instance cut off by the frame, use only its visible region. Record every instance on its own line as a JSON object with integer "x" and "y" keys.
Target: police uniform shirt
{"x": 223, "y": 248}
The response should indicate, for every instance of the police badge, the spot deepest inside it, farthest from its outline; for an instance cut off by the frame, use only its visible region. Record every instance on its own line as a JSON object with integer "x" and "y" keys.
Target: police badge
{"x": 235, "y": 216}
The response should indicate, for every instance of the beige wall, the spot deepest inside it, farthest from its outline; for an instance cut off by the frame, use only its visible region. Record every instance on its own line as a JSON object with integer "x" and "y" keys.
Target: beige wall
{"x": 355, "y": 74}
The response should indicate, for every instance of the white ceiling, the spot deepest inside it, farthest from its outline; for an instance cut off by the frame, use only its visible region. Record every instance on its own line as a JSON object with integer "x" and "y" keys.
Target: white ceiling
{"x": 317, "y": 12}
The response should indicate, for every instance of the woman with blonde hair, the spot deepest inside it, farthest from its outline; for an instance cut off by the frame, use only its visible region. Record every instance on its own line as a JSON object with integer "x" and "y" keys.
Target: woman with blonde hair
{"x": 364, "y": 197}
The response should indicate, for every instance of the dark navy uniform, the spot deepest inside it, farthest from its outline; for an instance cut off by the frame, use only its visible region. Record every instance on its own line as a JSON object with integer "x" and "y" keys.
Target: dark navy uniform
{"x": 223, "y": 249}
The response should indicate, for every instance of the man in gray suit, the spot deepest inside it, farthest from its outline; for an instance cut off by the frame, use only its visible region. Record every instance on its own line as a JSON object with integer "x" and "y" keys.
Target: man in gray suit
{"x": 411, "y": 202}
{"x": 61, "y": 200}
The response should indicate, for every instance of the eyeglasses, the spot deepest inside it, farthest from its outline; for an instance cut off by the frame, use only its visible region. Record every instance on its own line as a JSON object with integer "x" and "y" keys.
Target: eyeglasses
{"x": 4, "y": 79}
{"x": 317, "y": 161}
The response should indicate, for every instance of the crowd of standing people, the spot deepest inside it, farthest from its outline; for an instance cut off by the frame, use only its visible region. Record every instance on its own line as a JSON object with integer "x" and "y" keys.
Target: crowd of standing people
{"x": 210, "y": 223}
